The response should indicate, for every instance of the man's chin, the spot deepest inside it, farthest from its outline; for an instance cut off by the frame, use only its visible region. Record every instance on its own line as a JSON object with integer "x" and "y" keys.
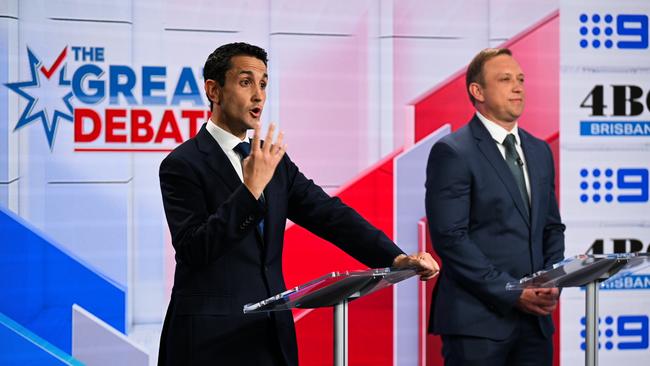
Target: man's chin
{"x": 248, "y": 123}
{"x": 514, "y": 115}
{"x": 252, "y": 123}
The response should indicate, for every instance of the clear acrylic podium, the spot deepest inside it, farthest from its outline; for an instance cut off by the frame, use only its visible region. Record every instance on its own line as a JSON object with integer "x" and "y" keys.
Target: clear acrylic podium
{"x": 590, "y": 271}
{"x": 335, "y": 289}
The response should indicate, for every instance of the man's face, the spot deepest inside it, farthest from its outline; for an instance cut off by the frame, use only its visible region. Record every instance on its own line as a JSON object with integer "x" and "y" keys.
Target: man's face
{"x": 502, "y": 97}
{"x": 239, "y": 102}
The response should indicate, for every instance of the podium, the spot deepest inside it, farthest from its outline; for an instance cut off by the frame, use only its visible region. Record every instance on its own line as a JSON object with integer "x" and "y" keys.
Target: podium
{"x": 589, "y": 271}
{"x": 334, "y": 289}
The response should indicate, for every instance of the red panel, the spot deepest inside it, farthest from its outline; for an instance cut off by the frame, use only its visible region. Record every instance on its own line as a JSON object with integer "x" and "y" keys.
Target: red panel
{"x": 316, "y": 338}
{"x": 447, "y": 104}
{"x": 307, "y": 257}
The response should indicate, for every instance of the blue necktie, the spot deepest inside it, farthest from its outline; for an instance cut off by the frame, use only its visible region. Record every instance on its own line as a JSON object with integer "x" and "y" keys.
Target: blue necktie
{"x": 515, "y": 164}
{"x": 244, "y": 149}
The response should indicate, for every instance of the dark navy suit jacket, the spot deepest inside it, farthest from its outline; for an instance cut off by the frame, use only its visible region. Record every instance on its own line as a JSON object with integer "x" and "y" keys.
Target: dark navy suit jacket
{"x": 482, "y": 232}
{"x": 223, "y": 263}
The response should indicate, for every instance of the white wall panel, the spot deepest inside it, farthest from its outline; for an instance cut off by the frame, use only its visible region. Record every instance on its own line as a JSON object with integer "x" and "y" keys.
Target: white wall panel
{"x": 95, "y": 342}
{"x": 113, "y": 10}
{"x": 8, "y": 103}
{"x": 9, "y": 8}
{"x": 220, "y": 15}
{"x": 322, "y": 103}
{"x": 99, "y": 236}
{"x": 510, "y": 17}
{"x": 9, "y": 112}
{"x": 453, "y": 19}
{"x": 320, "y": 17}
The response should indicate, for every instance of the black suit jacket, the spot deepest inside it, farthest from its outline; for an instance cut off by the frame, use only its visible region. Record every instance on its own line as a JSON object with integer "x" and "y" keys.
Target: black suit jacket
{"x": 222, "y": 261}
{"x": 482, "y": 232}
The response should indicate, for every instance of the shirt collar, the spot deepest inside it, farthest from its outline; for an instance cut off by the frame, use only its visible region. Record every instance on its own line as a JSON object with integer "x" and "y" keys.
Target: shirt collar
{"x": 225, "y": 139}
{"x": 497, "y": 132}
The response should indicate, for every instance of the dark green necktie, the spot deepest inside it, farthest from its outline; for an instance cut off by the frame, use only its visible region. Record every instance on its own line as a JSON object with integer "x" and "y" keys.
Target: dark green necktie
{"x": 516, "y": 166}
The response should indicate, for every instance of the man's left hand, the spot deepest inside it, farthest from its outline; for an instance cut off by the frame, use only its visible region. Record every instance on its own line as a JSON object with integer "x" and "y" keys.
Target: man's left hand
{"x": 425, "y": 266}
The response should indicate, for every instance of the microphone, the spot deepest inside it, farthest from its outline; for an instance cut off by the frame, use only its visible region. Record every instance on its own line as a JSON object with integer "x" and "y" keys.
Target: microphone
{"x": 519, "y": 161}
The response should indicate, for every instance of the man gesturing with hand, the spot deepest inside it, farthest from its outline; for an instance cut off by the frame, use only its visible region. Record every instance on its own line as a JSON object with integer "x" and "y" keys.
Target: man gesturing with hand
{"x": 227, "y": 200}
{"x": 260, "y": 165}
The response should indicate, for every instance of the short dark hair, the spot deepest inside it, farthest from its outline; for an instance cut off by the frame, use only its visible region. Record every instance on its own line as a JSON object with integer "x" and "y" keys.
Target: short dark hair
{"x": 218, "y": 63}
{"x": 475, "y": 68}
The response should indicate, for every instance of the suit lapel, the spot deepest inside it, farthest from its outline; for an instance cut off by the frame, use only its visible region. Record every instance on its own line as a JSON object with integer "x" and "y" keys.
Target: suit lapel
{"x": 489, "y": 149}
{"x": 217, "y": 160}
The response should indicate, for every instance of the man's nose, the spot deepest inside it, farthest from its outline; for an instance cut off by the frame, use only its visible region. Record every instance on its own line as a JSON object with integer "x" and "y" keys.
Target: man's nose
{"x": 258, "y": 95}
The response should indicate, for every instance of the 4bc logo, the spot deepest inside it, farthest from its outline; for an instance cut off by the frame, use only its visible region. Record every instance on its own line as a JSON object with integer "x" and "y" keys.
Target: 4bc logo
{"x": 626, "y": 101}
{"x": 618, "y": 246}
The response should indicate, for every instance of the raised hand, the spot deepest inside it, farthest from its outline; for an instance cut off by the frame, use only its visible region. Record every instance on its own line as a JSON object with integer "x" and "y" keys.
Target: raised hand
{"x": 259, "y": 166}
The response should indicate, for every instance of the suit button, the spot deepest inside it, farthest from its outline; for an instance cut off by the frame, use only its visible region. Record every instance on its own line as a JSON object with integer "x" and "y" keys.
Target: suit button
{"x": 266, "y": 268}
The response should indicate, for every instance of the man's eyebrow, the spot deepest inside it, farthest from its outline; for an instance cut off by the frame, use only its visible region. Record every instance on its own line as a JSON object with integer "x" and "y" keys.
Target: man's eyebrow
{"x": 510, "y": 73}
{"x": 248, "y": 72}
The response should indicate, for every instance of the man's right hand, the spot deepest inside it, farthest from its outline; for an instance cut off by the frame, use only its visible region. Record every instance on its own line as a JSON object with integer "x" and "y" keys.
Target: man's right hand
{"x": 538, "y": 301}
{"x": 259, "y": 166}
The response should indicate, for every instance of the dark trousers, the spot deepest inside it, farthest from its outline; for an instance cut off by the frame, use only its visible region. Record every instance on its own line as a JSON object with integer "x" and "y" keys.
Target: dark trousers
{"x": 526, "y": 346}
{"x": 209, "y": 340}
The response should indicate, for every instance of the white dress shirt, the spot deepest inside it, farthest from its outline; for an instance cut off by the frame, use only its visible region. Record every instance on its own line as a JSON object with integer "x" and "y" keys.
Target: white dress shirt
{"x": 227, "y": 142}
{"x": 499, "y": 134}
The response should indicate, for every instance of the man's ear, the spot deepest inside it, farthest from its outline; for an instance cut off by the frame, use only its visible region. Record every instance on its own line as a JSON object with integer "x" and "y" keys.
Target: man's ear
{"x": 213, "y": 90}
{"x": 476, "y": 91}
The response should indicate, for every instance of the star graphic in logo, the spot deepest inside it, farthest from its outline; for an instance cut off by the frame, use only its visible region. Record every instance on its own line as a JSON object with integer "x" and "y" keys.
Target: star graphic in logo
{"x": 43, "y": 94}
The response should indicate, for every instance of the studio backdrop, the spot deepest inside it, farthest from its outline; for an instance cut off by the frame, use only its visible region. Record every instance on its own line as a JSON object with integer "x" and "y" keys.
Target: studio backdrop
{"x": 94, "y": 94}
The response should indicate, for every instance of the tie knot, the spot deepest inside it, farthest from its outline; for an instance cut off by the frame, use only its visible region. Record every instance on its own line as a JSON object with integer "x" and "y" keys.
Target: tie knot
{"x": 243, "y": 149}
{"x": 510, "y": 141}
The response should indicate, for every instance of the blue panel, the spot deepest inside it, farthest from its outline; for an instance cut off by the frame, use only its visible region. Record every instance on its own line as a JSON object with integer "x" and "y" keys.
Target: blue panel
{"x": 19, "y": 346}
{"x": 21, "y": 270}
{"x": 39, "y": 282}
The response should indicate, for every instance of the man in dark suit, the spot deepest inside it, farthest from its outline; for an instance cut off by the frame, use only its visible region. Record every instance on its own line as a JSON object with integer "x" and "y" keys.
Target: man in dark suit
{"x": 227, "y": 202}
{"x": 493, "y": 218}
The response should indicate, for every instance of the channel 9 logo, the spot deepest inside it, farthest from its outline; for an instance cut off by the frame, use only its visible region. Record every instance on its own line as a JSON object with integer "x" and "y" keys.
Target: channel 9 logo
{"x": 623, "y": 31}
{"x": 623, "y": 185}
{"x": 623, "y": 332}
